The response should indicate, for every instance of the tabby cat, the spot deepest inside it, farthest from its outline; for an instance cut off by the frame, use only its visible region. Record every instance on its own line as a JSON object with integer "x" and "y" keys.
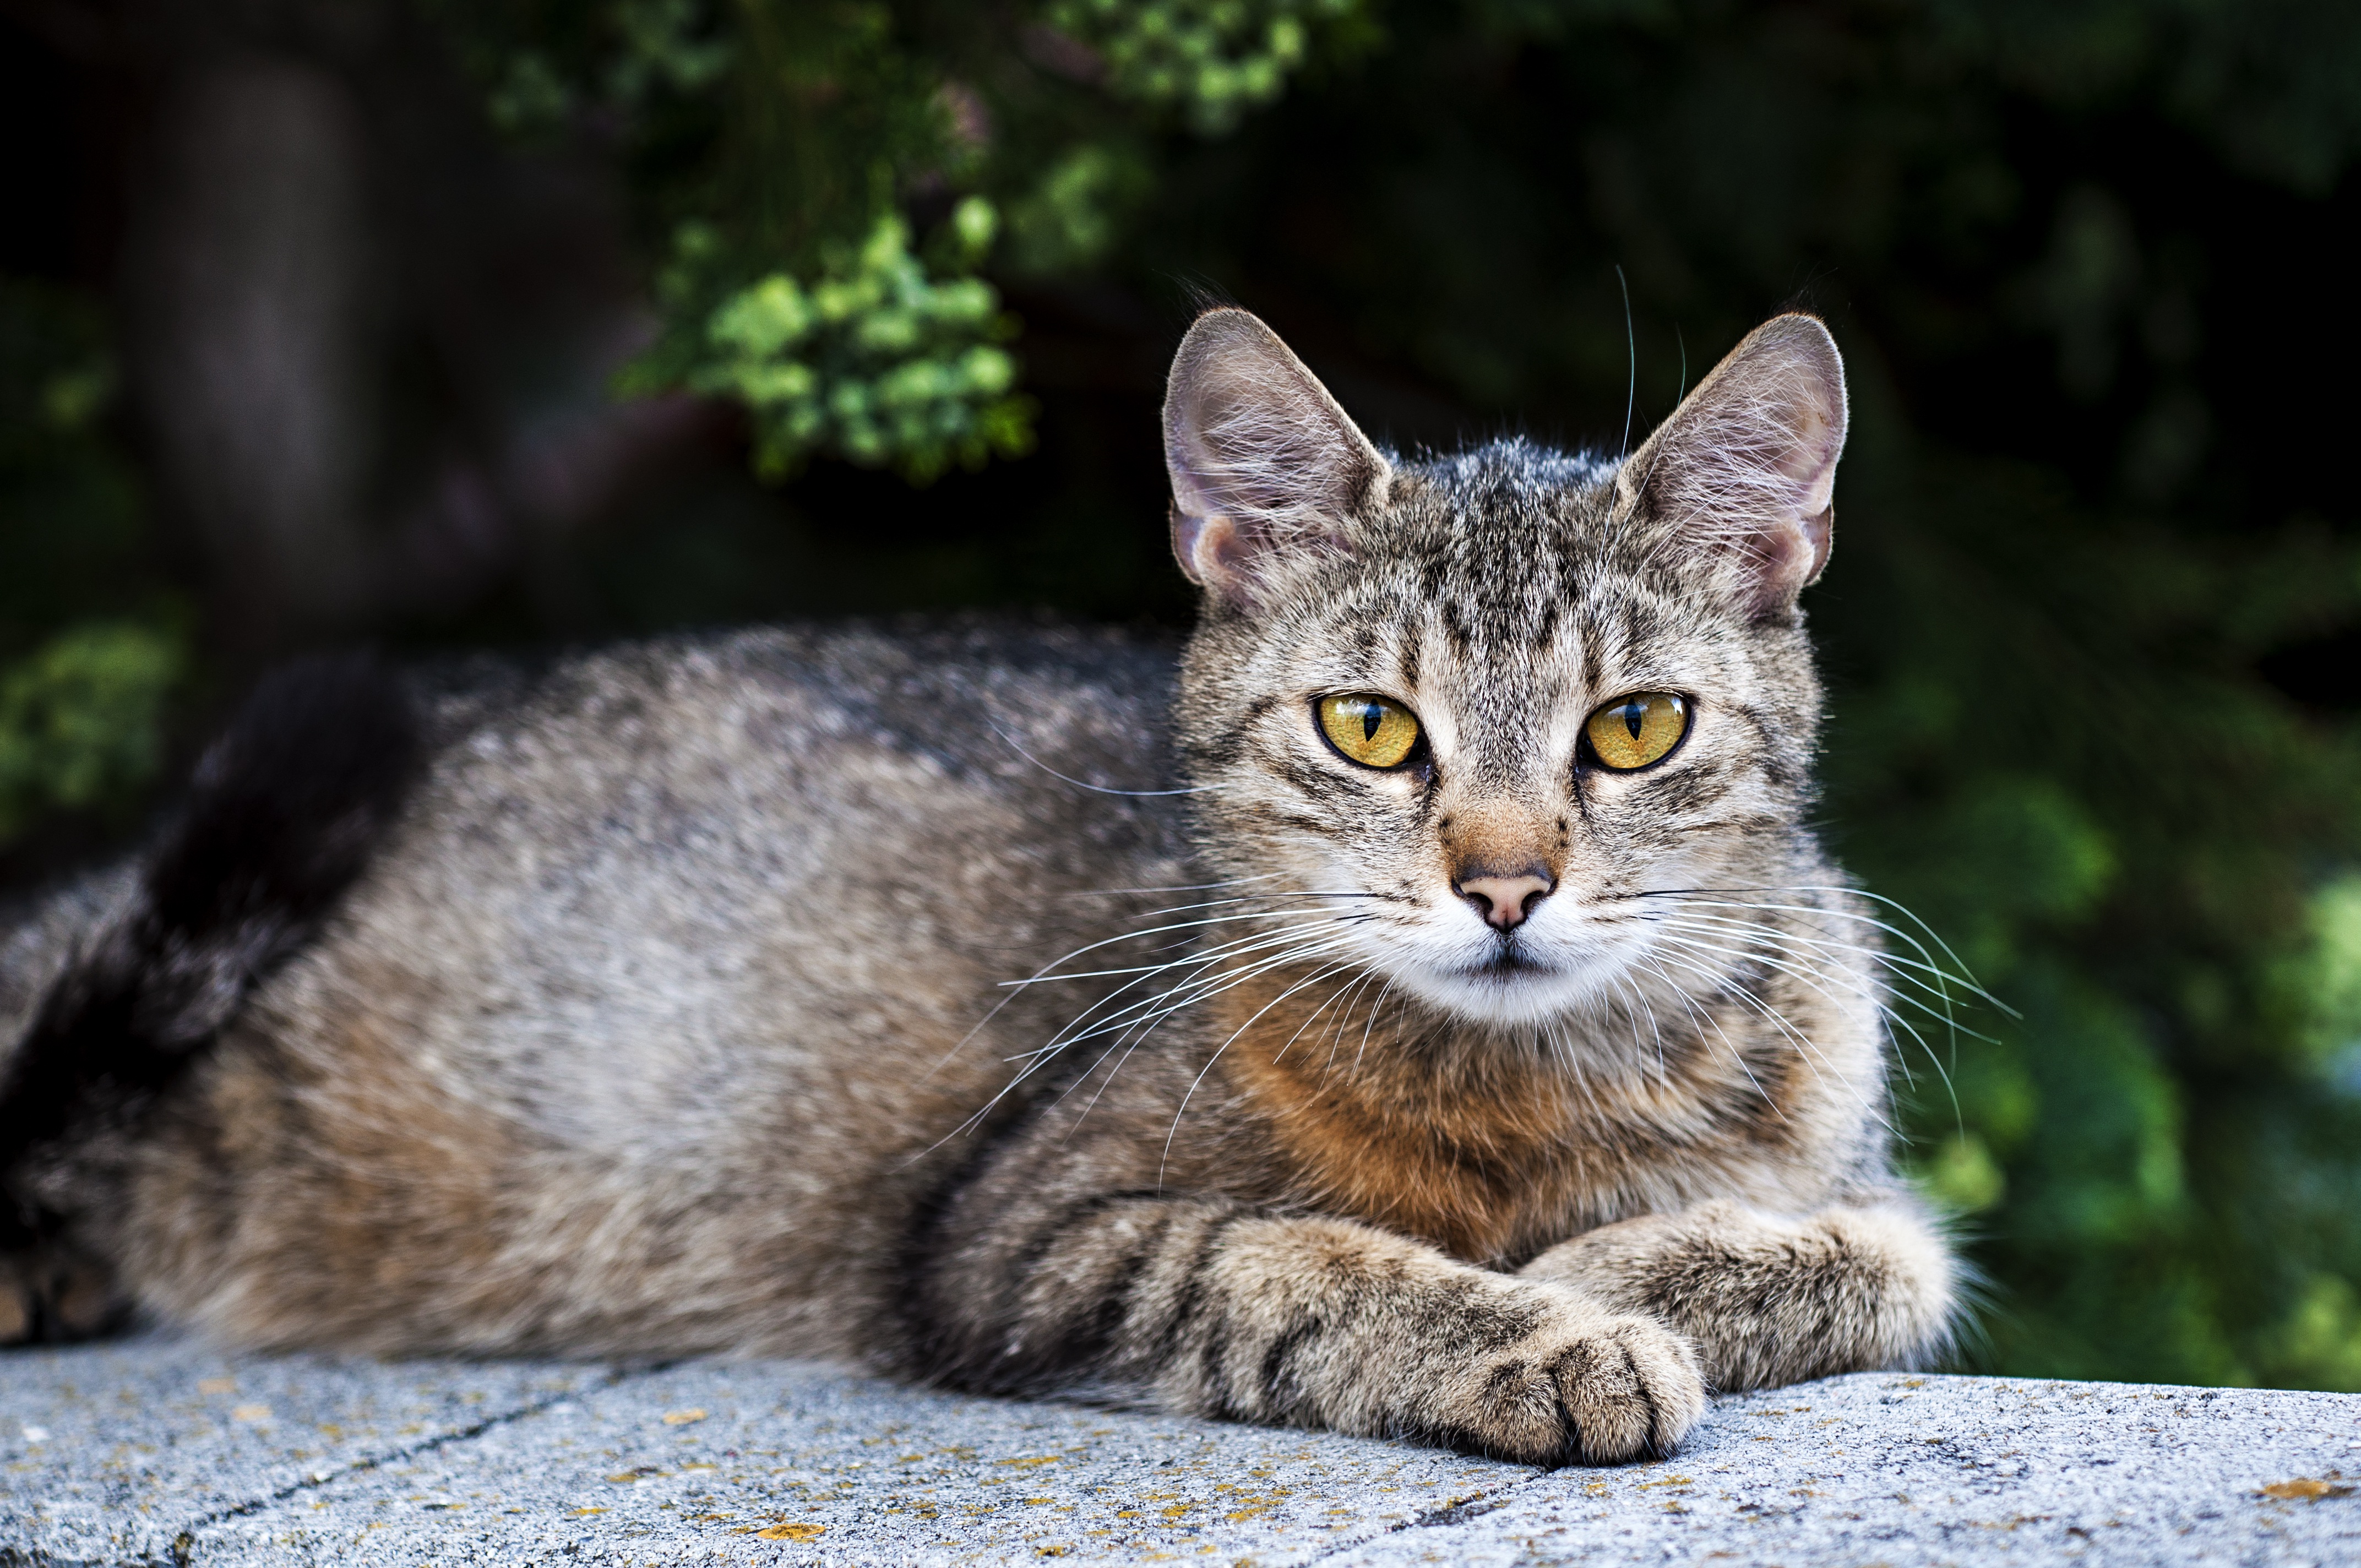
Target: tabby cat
{"x": 1423, "y": 1012}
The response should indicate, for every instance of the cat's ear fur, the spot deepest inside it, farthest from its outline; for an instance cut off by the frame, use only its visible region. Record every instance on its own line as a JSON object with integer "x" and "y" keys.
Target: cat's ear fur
{"x": 1265, "y": 467}
{"x": 1742, "y": 477}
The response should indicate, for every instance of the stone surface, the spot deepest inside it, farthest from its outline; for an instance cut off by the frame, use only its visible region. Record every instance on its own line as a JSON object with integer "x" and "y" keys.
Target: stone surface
{"x": 1896, "y": 1470}
{"x": 115, "y": 1453}
{"x": 155, "y": 1452}
{"x": 772, "y": 1462}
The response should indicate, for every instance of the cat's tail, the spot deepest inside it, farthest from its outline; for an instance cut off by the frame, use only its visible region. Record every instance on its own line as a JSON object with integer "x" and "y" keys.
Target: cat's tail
{"x": 120, "y": 984}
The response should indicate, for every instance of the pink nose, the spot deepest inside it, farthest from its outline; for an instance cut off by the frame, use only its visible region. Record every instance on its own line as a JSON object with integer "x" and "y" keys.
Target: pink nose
{"x": 1504, "y": 900}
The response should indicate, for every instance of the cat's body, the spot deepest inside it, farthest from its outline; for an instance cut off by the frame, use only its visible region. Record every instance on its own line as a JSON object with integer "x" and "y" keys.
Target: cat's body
{"x": 661, "y": 1002}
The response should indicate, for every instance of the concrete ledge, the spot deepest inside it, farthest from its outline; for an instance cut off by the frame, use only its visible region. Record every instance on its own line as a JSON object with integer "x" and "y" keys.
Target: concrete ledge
{"x": 151, "y": 1452}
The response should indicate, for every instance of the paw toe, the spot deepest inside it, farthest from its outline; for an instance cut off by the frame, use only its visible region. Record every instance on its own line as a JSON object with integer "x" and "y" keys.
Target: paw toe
{"x": 1631, "y": 1389}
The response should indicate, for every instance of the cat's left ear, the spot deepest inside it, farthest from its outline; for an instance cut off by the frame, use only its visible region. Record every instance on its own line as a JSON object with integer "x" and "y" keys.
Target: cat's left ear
{"x": 1266, "y": 470}
{"x": 1742, "y": 477}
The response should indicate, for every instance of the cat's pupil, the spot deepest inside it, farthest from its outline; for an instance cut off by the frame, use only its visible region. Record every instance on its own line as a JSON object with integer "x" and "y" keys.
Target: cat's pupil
{"x": 1633, "y": 714}
{"x": 1373, "y": 718}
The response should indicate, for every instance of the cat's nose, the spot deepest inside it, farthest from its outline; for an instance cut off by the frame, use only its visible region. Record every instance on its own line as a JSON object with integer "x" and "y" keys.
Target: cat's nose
{"x": 1505, "y": 901}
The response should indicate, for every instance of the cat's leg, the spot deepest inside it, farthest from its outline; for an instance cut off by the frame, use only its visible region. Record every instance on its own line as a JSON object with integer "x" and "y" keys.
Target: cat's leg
{"x": 52, "y": 1293}
{"x": 1222, "y": 1309}
{"x": 1771, "y": 1299}
{"x": 283, "y": 815}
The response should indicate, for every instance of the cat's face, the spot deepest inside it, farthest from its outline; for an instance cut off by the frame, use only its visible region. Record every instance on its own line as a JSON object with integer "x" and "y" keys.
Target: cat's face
{"x": 1456, "y": 722}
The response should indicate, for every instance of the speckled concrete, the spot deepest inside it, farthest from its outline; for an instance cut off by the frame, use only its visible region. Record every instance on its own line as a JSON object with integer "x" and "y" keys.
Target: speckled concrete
{"x": 156, "y": 1454}
{"x": 115, "y": 1453}
{"x": 769, "y": 1464}
{"x": 1881, "y": 1469}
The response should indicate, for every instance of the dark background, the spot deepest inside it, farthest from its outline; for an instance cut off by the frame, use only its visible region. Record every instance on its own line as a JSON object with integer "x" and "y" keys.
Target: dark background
{"x": 310, "y": 322}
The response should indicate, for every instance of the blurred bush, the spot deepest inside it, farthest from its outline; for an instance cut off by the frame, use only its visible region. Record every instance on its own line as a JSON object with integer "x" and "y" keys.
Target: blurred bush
{"x": 89, "y": 652}
{"x": 2091, "y": 629}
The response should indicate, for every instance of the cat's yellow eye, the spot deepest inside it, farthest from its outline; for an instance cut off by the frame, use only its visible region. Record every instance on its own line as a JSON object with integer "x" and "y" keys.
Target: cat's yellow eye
{"x": 1369, "y": 731}
{"x": 1634, "y": 731}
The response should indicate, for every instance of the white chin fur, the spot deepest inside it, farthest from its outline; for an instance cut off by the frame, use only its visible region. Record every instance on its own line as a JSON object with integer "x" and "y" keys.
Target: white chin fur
{"x": 1521, "y": 996}
{"x": 1560, "y": 976}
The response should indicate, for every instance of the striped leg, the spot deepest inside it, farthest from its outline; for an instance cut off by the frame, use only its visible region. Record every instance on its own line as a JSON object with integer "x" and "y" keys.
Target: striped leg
{"x": 1771, "y": 1299}
{"x": 1224, "y": 1310}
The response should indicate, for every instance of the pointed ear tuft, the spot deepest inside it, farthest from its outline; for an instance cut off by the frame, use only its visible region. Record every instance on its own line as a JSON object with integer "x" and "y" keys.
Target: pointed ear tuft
{"x": 1742, "y": 477}
{"x": 1265, "y": 467}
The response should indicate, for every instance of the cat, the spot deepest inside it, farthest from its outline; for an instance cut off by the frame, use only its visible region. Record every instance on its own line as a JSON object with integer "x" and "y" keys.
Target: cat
{"x": 1418, "y": 1010}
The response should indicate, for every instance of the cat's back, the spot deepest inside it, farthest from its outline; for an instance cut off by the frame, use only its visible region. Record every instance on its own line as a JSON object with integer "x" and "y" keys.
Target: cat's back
{"x": 656, "y": 863}
{"x": 684, "y": 945}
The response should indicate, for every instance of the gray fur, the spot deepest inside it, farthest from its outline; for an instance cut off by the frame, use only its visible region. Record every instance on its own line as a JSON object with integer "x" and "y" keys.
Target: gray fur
{"x": 674, "y": 1015}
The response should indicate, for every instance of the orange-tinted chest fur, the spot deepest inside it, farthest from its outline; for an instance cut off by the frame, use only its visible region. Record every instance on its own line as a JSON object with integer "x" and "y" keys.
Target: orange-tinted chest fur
{"x": 1488, "y": 1152}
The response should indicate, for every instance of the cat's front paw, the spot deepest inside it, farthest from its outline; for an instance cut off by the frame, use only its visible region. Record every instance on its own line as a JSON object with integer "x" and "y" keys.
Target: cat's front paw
{"x": 1773, "y": 1299}
{"x": 1587, "y": 1387}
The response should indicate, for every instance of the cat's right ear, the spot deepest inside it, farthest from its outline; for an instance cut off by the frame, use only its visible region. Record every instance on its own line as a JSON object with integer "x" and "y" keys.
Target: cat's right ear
{"x": 1742, "y": 475}
{"x": 1265, "y": 467}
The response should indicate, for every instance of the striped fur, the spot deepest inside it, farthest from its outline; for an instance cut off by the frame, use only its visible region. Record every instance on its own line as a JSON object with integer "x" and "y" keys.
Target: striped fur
{"x": 840, "y": 992}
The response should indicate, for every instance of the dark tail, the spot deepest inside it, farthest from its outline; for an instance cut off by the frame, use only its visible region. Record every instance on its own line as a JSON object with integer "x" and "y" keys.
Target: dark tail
{"x": 283, "y": 813}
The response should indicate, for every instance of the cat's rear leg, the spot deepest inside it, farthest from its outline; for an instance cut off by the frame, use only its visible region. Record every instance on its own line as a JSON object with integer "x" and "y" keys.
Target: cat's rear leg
{"x": 283, "y": 815}
{"x": 52, "y": 1292}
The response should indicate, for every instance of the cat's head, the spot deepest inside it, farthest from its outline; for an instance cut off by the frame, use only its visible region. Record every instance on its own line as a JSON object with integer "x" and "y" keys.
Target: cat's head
{"x": 1482, "y": 705}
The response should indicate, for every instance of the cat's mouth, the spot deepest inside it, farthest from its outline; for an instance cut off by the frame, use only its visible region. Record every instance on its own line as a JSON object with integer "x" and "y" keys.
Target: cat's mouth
{"x": 1515, "y": 977}
{"x": 1510, "y": 957}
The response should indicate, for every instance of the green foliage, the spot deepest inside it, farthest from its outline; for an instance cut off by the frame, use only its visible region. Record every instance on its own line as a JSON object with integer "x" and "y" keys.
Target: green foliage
{"x": 2124, "y": 836}
{"x": 2315, "y": 989}
{"x": 786, "y": 143}
{"x": 872, "y": 360}
{"x": 81, "y": 719}
{"x": 2319, "y": 1344}
{"x": 1212, "y": 58}
{"x": 91, "y": 647}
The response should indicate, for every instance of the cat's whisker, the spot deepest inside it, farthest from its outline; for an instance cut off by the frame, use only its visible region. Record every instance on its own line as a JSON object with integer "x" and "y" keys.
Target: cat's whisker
{"x": 1313, "y": 1015}
{"x": 1044, "y": 972}
{"x": 1041, "y": 1056}
{"x": 1042, "y": 975}
{"x": 1134, "y": 1033}
{"x": 1196, "y": 963}
{"x": 1104, "y": 973}
{"x": 1812, "y": 1056}
{"x": 1180, "y": 887}
{"x": 1641, "y": 1008}
{"x": 1197, "y": 978}
{"x": 1103, "y": 789}
{"x": 1251, "y": 897}
{"x": 1919, "y": 986}
{"x": 1935, "y": 1059}
{"x": 1143, "y": 1028}
{"x": 1709, "y": 1021}
{"x": 1344, "y": 1019}
{"x": 1229, "y": 980}
{"x": 1884, "y": 999}
{"x": 1372, "y": 1024}
{"x": 1565, "y": 1053}
{"x": 1732, "y": 988}
{"x": 1879, "y": 999}
{"x": 1904, "y": 971}
{"x": 1199, "y": 1081}
{"x": 1786, "y": 962}
{"x": 1119, "y": 1045}
{"x": 1961, "y": 975}
{"x": 1147, "y": 1025}
{"x": 1907, "y": 971}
